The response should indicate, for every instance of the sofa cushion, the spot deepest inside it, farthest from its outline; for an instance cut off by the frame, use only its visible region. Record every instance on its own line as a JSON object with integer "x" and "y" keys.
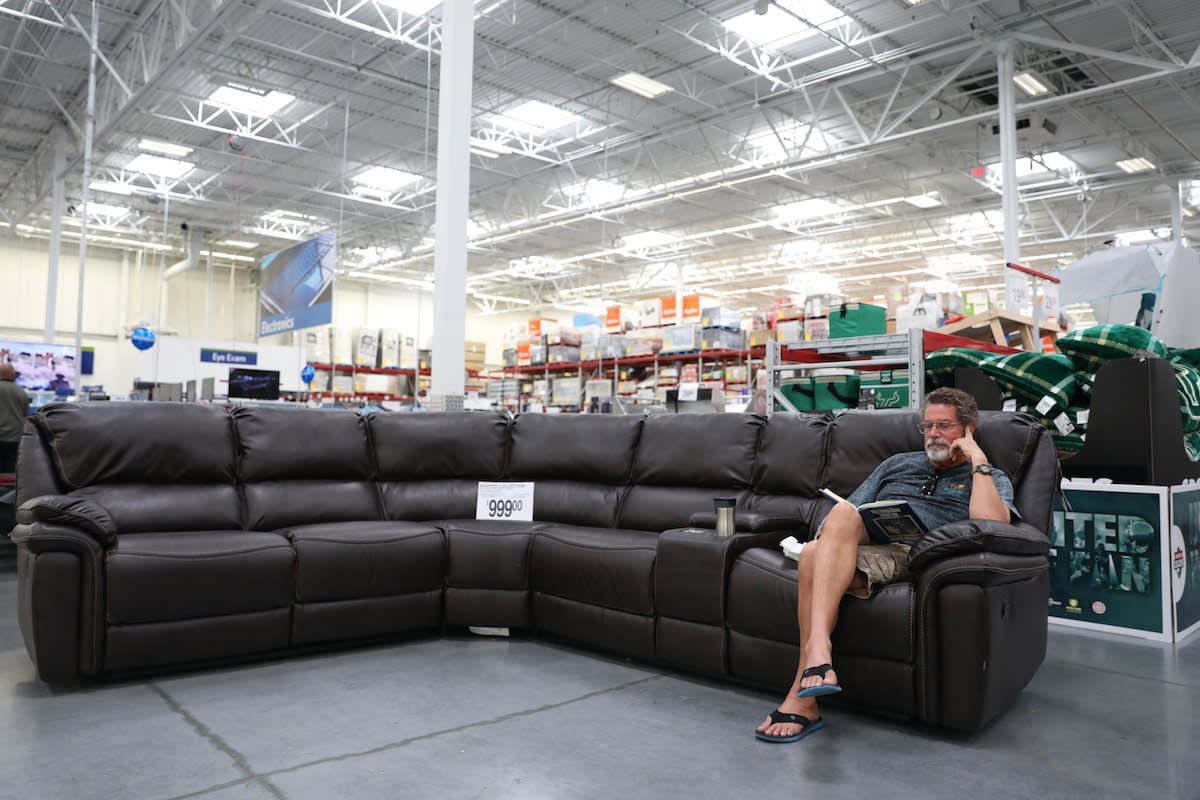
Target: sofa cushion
{"x": 153, "y": 577}
{"x": 608, "y": 567}
{"x": 142, "y": 507}
{"x": 860, "y": 440}
{"x": 353, "y": 560}
{"x": 713, "y": 450}
{"x": 488, "y": 553}
{"x": 761, "y": 603}
{"x": 138, "y": 443}
{"x": 426, "y": 447}
{"x": 299, "y": 444}
{"x": 271, "y": 505}
{"x": 593, "y": 448}
{"x": 432, "y": 499}
{"x": 791, "y": 451}
{"x": 660, "y": 508}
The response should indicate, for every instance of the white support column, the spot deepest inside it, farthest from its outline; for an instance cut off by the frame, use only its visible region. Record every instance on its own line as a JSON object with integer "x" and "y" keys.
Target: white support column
{"x": 58, "y": 208}
{"x": 1008, "y": 152}
{"x": 208, "y": 298}
{"x": 88, "y": 125}
{"x": 453, "y": 188}
{"x": 1177, "y": 212}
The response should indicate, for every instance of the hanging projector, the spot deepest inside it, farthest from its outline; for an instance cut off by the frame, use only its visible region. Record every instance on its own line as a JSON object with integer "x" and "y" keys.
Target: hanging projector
{"x": 1032, "y": 129}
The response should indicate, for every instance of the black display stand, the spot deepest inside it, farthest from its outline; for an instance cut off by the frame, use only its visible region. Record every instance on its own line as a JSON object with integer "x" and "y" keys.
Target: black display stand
{"x": 1134, "y": 433}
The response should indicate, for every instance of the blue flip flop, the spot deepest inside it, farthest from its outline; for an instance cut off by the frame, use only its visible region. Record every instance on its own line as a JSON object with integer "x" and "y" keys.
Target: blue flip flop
{"x": 821, "y": 689}
{"x": 807, "y": 727}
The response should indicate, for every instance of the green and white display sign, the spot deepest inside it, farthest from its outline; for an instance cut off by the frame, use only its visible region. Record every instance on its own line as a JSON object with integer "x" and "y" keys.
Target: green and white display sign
{"x": 1184, "y": 559}
{"x": 1108, "y": 559}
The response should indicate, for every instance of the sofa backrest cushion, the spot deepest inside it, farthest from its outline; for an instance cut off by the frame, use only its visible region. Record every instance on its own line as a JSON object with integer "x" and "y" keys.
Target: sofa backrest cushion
{"x": 429, "y": 465}
{"x": 791, "y": 453}
{"x": 425, "y": 447}
{"x": 683, "y": 461}
{"x": 860, "y": 440}
{"x": 152, "y": 466}
{"x": 302, "y": 466}
{"x": 579, "y": 464}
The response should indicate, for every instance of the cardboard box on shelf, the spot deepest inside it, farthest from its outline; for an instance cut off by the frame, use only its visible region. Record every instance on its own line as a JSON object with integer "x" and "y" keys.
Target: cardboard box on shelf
{"x": 643, "y": 342}
{"x": 619, "y": 318}
{"x": 424, "y": 359}
{"x": 366, "y": 347}
{"x": 589, "y": 352}
{"x": 682, "y": 338}
{"x": 343, "y": 384}
{"x": 509, "y": 357}
{"x": 561, "y": 354}
{"x": 740, "y": 374}
{"x": 541, "y": 327}
{"x": 759, "y": 338}
{"x": 389, "y": 348}
{"x": 692, "y": 304}
{"x": 784, "y": 313}
{"x": 720, "y": 317}
{"x": 566, "y": 391}
{"x": 342, "y": 345}
{"x": 537, "y": 354}
{"x": 791, "y": 330}
{"x": 316, "y": 345}
{"x": 668, "y": 313}
{"x": 722, "y": 339}
{"x": 599, "y": 387}
{"x": 816, "y": 329}
{"x": 649, "y": 312}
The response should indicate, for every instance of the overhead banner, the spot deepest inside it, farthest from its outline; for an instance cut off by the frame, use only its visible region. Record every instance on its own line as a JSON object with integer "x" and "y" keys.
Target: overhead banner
{"x": 296, "y": 291}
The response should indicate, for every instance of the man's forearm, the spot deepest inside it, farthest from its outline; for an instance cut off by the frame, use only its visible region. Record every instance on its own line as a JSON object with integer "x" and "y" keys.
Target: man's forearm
{"x": 985, "y": 499}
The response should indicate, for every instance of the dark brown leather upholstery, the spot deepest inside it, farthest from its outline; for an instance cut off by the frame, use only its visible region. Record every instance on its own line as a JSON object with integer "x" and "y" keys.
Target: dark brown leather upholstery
{"x": 176, "y": 534}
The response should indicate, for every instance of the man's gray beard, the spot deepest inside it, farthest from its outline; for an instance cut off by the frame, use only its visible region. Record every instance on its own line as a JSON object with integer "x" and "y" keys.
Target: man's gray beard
{"x": 937, "y": 452}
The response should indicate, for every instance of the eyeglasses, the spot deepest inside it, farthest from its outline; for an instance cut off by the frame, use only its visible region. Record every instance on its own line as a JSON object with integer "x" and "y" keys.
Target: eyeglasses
{"x": 930, "y": 485}
{"x": 941, "y": 426}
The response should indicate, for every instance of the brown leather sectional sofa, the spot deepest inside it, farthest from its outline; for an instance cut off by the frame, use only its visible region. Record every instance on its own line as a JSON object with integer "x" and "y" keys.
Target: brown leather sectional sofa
{"x": 163, "y": 535}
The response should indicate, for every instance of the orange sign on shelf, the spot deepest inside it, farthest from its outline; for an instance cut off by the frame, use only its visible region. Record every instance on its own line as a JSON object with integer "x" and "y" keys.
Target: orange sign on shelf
{"x": 523, "y": 358}
{"x": 669, "y": 315}
{"x": 691, "y": 308}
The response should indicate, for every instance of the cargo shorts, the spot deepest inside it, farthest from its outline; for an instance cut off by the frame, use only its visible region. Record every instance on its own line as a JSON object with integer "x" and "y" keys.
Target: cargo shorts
{"x": 880, "y": 564}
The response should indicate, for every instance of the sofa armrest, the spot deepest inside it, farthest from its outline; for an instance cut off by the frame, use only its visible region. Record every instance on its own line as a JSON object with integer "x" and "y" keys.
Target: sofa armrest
{"x": 752, "y": 522}
{"x": 76, "y": 512}
{"x": 974, "y": 536}
{"x": 691, "y": 571}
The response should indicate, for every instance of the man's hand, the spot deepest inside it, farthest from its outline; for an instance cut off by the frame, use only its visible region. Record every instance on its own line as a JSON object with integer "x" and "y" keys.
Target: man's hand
{"x": 968, "y": 448}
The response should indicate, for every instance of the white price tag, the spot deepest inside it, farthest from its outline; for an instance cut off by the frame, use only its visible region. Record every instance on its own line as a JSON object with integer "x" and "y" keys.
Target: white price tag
{"x": 505, "y": 501}
{"x": 1063, "y": 423}
{"x": 1081, "y": 417}
{"x": 1010, "y": 404}
{"x": 689, "y": 392}
{"x": 1045, "y": 405}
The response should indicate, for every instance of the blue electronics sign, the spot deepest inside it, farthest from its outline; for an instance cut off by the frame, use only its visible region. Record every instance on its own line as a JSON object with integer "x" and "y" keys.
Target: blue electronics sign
{"x": 297, "y": 286}
{"x": 238, "y": 357}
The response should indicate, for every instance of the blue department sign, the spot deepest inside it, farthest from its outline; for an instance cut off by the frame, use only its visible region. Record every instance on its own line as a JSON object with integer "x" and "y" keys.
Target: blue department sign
{"x": 236, "y": 357}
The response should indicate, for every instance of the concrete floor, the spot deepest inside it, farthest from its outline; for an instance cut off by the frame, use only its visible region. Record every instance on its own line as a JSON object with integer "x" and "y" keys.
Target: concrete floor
{"x": 467, "y": 717}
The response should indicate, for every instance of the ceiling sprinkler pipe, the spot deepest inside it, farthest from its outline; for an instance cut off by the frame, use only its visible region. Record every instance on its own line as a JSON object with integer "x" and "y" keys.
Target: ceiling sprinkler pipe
{"x": 190, "y": 259}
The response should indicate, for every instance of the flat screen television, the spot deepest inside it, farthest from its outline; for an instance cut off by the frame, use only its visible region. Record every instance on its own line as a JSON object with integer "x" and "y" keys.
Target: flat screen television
{"x": 41, "y": 367}
{"x": 253, "y": 384}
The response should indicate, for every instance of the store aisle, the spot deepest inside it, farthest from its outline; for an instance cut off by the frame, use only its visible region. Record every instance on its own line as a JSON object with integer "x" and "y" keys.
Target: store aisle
{"x": 467, "y": 717}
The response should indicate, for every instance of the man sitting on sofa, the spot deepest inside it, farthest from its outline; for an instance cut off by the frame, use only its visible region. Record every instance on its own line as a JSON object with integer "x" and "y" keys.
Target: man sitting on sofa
{"x": 950, "y": 481}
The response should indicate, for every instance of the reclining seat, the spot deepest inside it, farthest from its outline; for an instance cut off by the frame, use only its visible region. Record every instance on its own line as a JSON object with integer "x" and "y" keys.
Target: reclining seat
{"x": 309, "y": 475}
{"x": 957, "y": 642}
{"x": 590, "y": 580}
{"x": 429, "y": 468}
{"x": 165, "y": 573}
{"x": 600, "y": 589}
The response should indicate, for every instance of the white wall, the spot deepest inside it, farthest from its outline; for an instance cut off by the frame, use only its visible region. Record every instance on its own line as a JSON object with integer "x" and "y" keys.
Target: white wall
{"x": 121, "y": 293}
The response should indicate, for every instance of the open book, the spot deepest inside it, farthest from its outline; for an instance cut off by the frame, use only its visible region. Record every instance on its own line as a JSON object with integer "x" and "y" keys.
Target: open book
{"x": 887, "y": 520}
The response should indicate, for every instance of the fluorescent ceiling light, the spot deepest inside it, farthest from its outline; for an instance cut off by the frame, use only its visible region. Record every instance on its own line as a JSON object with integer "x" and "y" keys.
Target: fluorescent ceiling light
{"x": 778, "y": 27}
{"x": 1035, "y": 166}
{"x": 160, "y": 166}
{"x": 943, "y": 265}
{"x": 1138, "y": 237}
{"x": 106, "y": 210}
{"x": 648, "y": 239}
{"x": 927, "y": 200}
{"x": 800, "y": 250}
{"x": 241, "y": 243}
{"x": 260, "y": 102}
{"x": 801, "y": 210}
{"x": 534, "y": 116}
{"x": 229, "y": 256}
{"x": 1132, "y": 165}
{"x": 414, "y": 7}
{"x": 112, "y": 187}
{"x": 594, "y": 192}
{"x": 1031, "y": 83}
{"x": 164, "y": 148}
{"x": 385, "y": 179}
{"x": 640, "y": 84}
{"x": 489, "y": 149}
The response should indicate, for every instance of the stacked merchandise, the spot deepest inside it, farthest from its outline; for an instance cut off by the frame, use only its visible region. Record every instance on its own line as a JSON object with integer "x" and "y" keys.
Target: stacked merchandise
{"x": 1056, "y": 388}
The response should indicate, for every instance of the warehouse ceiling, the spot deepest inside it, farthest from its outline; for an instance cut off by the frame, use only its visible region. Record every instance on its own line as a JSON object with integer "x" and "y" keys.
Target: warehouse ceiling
{"x": 845, "y": 143}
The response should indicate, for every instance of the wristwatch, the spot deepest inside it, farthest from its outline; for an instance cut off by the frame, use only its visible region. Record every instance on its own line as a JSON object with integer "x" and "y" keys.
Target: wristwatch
{"x": 983, "y": 469}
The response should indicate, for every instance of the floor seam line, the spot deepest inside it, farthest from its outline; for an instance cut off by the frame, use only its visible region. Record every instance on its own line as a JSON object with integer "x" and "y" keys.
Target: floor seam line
{"x": 1135, "y": 675}
{"x": 213, "y": 738}
{"x": 465, "y": 727}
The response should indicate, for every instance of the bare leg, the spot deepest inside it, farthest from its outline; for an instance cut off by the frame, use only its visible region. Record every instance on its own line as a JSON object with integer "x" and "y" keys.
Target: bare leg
{"x": 833, "y": 574}
{"x": 791, "y": 704}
